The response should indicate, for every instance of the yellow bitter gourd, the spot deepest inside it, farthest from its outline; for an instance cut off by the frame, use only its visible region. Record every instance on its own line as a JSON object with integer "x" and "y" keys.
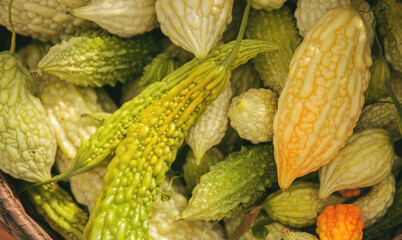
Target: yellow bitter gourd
{"x": 132, "y": 181}
{"x": 27, "y": 142}
{"x": 323, "y": 94}
{"x": 59, "y": 210}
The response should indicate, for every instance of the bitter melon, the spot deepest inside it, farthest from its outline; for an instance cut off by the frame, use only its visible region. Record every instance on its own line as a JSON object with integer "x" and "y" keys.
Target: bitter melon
{"x": 27, "y": 141}
{"x": 59, "y": 210}
{"x": 95, "y": 58}
{"x": 132, "y": 181}
{"x": 278, "y": 26}
{"x": 232, "y": 184}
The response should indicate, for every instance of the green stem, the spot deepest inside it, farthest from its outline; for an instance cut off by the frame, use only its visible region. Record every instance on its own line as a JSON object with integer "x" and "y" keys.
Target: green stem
{"x": 232, "y": 55}
{"x": 395, "y": 139}
{"x": 13, "y": 36}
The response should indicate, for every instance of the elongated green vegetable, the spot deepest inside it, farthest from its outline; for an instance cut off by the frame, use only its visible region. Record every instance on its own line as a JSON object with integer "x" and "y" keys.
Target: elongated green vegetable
{"x": 95, "y": 58}
{"x": 106, "y": 138}
{"x": 123, "y": 208}
{"x": 59, "y": 210}
{"x": 232, "y": 184}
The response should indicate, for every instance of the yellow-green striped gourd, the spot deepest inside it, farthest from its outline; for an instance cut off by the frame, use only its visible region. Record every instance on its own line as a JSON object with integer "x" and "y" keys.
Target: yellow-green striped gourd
{"x": 123, "y": 18}
{"x": 96, "y": 58}
{"x": 104, "y": 141}
{"x": 141, "y": 159}
{"x": 279, "y": 26}
{"x": 58, "y": 209}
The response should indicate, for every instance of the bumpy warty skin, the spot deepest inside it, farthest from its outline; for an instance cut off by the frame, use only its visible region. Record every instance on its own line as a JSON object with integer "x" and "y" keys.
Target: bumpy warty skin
{"x": 193, "y": 169}
{"x": 211, "y": 126}
{"x": 267, "y": 5}
{"x": 96, "y": 58}
{"x": 68, "y": 106}
{"x": 124, "y": 18}
{"x": 389, "y": 17}
{"x": 323, "y": 94}
{"x": 382, "y": 114}
{"x": 252, "y": 114}
{"x": 278, "y": 26}
{"x": 299, "y": 206}
{"x": 374, "y": 205}
{"x": 45, "y": 20}
{"x": 309, "y": 11}
{"x": 27, "y": 141}
{"x": 364, "y": 161}
{"x": 195, "y": 25}
{"x": 164, "y": 226}
{"x": 233, "y": 184}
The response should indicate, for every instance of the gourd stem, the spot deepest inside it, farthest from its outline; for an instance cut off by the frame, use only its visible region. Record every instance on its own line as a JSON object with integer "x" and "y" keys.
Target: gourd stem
{"x": 396, "y": 139}
{"x": 232, "y": 55}
{"x": 13, "y": 36}
{"x": 378, "y": 43}
{"x": 176, "y": 53}
{"x": 396, "y": 103}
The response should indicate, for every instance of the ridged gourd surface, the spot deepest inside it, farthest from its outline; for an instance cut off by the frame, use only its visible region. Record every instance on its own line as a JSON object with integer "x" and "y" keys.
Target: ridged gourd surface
{"x": 27, "y": 143}
{"x": 323, "y": 94}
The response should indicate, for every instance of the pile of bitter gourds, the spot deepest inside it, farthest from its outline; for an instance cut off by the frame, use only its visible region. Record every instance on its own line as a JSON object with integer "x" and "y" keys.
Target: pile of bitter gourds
{"x": 215, "y": 119}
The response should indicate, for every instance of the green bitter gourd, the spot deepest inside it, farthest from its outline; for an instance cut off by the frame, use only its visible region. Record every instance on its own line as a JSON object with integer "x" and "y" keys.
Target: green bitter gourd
{"x": 27, "y": 142}
{"x": 132, "y": 181}
{"x": 95, "y": 58}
